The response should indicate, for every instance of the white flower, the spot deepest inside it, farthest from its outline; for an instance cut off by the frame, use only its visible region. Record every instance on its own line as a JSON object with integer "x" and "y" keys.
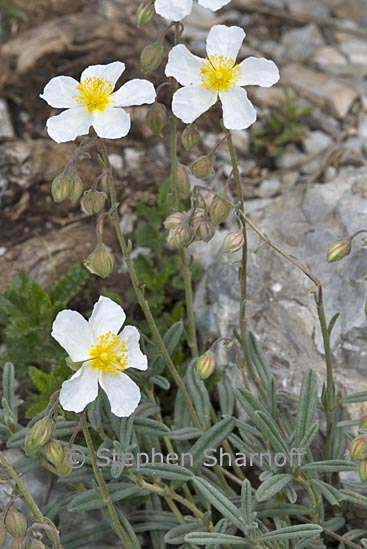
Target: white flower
{"x": 218, "y": 75}
{"x": 175, "y": 10}
{"x": 105, "y": 356}
{"x": 92, "y": 102}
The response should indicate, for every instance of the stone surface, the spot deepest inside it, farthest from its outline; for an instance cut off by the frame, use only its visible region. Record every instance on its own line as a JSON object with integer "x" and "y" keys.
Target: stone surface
{"x": 300, "y": 43}
{"x": 6, "y": 127}
{"x": 309, "y": 7}
{"x": 281, "y": 304}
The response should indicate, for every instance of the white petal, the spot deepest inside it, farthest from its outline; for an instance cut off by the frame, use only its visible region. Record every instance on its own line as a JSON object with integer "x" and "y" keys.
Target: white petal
{"x": 259, "y": 72}
{"x": 131, "y": 336}
{"x": 238, "y": 111}
{"x": 112, "y": 123}
{"x": 79, "y": 390}
{"x": 183, "y": 66}
{"x": 191, "y": 102}
{"x": 135, "y": 92}
{"x": 68, "y": 125}
{"x": 213, "y": 5}
{"x": 173, "y": 10}
{"x": 223, "y": 40}
{"x": 73, "y": 333}
{"x": 122, "y": 392}
{"x": 110, "y": 72}
{"x": 107, "y": 316}
{"x": 60, "y": 92}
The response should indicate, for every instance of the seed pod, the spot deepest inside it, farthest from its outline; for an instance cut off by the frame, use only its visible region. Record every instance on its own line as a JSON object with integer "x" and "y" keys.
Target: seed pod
{"x": 233, "y": 242}
{"x": 206, "y": 365}
{"x": 183, "y": 180}
{"x": 76, "y": 189}
{"x": 203, "y": 166}
{"x": 151, "y": 57}
{"x": 93, "y": 201}
{"x": 36, "y": 544}
{"x": 181, "y": 236}
{"x": 100, "y": 261}
{"x": 15, "y": 523}
{"x": 363, "y": 470}
{"x": 54, "y": 452}
{"x": 144, "y": 13}
{"x": 38, "y": 436}
{"x": 17, "y": 543}
{"x": 219, "y": 209}
{"x": 60, "y": 188}
{"x": 174, "y": 220}
{"x": 190, "y": 137}
{"x": 339, "y": 249}
{"x": 205, "y": 230}
{"x": 156, "y": 118}
{"x": 196, "y": 217}
{"x": 358, "y": 449}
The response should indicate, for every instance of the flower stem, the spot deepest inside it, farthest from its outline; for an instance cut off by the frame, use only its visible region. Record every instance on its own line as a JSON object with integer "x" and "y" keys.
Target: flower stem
{"x": 140, "y": 296}
{"x": 102, "y": 485}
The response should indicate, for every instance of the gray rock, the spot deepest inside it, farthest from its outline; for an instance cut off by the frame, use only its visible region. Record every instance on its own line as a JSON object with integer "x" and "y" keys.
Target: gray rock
{"x": 300, "y": 43}
{"x": 281, "y": 305}
{"x": 310, "y": 7}
{"x": 268, "y": 188}
{"x": 6, "y": 127}
{"x": 316, "y": 141}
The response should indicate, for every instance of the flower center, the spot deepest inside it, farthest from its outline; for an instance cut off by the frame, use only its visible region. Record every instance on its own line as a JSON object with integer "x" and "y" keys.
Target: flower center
{"x": 109, "y": 355}
{"x": 219, "y": 73}
{"x": 94, "y": 93}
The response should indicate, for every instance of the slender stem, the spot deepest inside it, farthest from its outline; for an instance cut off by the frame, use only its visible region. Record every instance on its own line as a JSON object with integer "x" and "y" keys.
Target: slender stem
{"x": 191, "y": 323}
{"x": 53, "y": 533}
{"x": 102, "y": 485}
{"x": 243, "y": 271}
{"x": 140, "y": 296}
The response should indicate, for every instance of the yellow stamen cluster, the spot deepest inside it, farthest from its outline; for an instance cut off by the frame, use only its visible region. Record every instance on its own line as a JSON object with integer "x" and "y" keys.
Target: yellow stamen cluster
{"x": 94, "y": 93}
{"x": 219, "y": 73}
{"x": 109, "y": 355}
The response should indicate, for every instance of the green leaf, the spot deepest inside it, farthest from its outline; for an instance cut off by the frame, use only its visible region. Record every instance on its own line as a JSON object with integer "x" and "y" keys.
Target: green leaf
{"x": 147, "y": 426}
{"x": 8, "y": 386}
{"x": 199, "y": 394}
{"x": 186, "y": 433}
{"x": 292, "y": 532}
{"x": 212, "y": 538}
{"x": 329, "y": 466}
{"x": 89, "y": 500}
{"x": 271, "y": 486}
{"x": 226, "y": 397}
{"x": 356, "y": 397}
{"x": 166, "y": 471}
{"x": 176, "y": 535}
{"x": 330, "y": 493}
{"x": 68, "y": 286}
{"x": 259, "y": 361}
{"x": 211, "y": 440}
{"x": 307, "y": 404}
{"x": 246, "y": 503}
{"x": 173, "y": 336}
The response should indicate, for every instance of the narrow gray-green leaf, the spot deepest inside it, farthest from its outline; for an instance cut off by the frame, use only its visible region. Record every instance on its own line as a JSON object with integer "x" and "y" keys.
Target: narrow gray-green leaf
{"x": 199, "y": 394}
{"x": 166, "y": 471}
{"x": 212, "y": 538}
{"x": 330, "y": 493}
{"x": 271, "y": 486}
{"x": 329, "y": 466}
{"x": 211, "y": 439}
{"x": 306, "y": 408}
{"x": 173, "y": 335}
{"x": 292, "y": 532}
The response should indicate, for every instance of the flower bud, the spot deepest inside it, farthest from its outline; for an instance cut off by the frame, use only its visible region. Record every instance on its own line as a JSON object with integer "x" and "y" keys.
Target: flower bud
{"x": 156, "y": 118}
{"x": 190, "y": 137}
{"x": 76, "y": 189}
{"x": 54, "y": 452}
{"x": 174, "y": 220}
{"x": 151, "y": 57}
{"x": 339, "y": 249}
{"x": 100, "y": 261}
{"x": 363, "y": 423}
{"x": 64, "y": 469}
{"x": 60, "y": 188}
{"x": 233, "y": 242}
{"x": 219, "y": 209}
{"x": 3, "y": 533}
{"x": 363, "y": 470}
{"x": 358, "y": 449}
{"x": 203, "y": 166}
{"x": 183, "y": 180}
{"x": 196, "y": 217}
{"x": 206, "y": 365}
{"x": 93, "y": 201}
{"x": 38, "y": 436}
{"x": 144, "y": 13}
{"x": 17, "y": 544}
{"x": 36, "y": 544}
{"x": 205, "y": 230}
{"x": 181, "y": 236}
{"x": 15, "y": 523}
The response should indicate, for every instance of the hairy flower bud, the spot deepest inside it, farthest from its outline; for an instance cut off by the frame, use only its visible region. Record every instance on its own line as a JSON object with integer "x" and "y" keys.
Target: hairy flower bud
{"x": 358, "y": 449}
{"x": 76, "y": 189}
{"x": 54, "y": 452}
{"x": 363, "y": 470}
{"x": 174, "y": 220}
{"x": 144, "y": 13}
{"x": 206, "y": 365}
{"x": 36, "y": 544}
{"x": 205, "y": 230}
{"x": 151, "y": 57}
{"x": 219, "y": 209}
{"x": 64, "y": 469}
{"x": 156, "y": 118}
{"x": 38, "y": 436}
{"x": 190, "y": 137}
{"x": 60, "y": 188}
{"x": 93, "y": 201}
{"x": 233, "y": 242}
{"x": 363, "y": 423}
{"x": 181, "y": 236}
{"x": 196, "y": 217}
{"x": 339, "y": 249}
{"x": 17, "y": 543}
{"x": 15, "y": 523}
{"x": 183, "y": 180}
{"x": 203, "y": 166}
{"x": 100, "y": 261}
